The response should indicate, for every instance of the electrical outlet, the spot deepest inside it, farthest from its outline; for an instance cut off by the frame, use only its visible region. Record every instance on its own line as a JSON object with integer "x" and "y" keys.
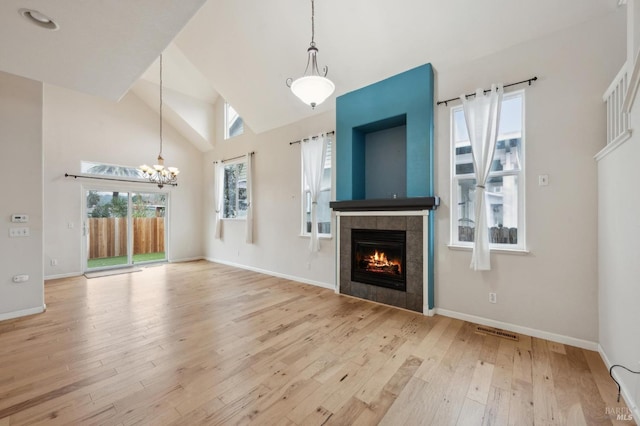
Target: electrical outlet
{"x": 54, "y": 262}
{"x": 493, "y": 298}
{"x": 19, "y": 218}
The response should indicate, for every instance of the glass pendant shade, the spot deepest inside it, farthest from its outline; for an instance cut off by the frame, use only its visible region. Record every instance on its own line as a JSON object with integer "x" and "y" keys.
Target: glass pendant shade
{"x": 312, "y": 89}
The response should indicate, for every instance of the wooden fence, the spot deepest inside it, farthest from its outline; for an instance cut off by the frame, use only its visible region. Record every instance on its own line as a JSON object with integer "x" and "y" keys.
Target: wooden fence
{"x": 108, "y": 236}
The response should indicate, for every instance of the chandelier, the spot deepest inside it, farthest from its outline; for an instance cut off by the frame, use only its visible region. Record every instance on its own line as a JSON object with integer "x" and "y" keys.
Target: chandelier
{"x": 312, "y": 88}
{"x": 160, "y": 174}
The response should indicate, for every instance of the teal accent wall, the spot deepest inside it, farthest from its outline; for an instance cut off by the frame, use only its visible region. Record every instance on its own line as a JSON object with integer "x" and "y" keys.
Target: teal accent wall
{"x": 406, "y": 98}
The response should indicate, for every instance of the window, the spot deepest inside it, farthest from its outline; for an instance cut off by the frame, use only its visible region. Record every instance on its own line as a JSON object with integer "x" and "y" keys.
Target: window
{"x": 235, "y": 190}
{"x": 505, "y": 186}
{"x": 93, "y": 168}
{"x": 323, "y": 212}
{"x": 233, "y": 124}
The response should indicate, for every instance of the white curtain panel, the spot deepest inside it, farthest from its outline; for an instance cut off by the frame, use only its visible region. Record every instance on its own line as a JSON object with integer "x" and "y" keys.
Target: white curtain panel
{"x": 482, "y": 116}
{"x": 313, "y": 153}
{"x": 249, "y": 221}
{"x": 219, "y": 196}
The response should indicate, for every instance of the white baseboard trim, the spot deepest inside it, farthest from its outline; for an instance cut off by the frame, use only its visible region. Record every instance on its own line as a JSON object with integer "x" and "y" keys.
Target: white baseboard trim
{"x": 57, "y": 276}
{"x": 274, "y": 274}
{"x": 23, "y": 313}
{"x": 559, "y": 338}
{"x": 624, "y": 390}
{"x": 187, "y": 259}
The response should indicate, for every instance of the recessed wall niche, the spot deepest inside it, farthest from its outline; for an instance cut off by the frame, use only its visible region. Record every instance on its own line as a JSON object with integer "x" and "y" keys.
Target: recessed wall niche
{"x": 385, "y": 157}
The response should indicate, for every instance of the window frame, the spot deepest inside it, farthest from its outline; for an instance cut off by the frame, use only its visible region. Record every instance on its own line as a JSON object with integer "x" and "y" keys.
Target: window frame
{"x": 227, "y": 125}
{"x": 224, "y": 186}
{"x": 454, "y": 242}
{"x": 304, "y": 192}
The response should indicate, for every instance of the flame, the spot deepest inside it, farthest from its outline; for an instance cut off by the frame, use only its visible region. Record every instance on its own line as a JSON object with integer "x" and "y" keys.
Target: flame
{"x": 379, "y": 260}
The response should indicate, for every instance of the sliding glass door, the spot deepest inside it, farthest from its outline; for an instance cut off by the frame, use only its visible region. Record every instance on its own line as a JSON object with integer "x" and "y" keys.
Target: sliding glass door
{"x": 107, "y": 229}
{"x": 124, "y": 228}
{"x": 149, "y": 228}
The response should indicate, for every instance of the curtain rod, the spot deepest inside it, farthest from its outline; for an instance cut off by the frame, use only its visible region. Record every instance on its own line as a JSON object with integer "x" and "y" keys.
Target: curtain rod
{"x": 234, "y": 158}
{"x": 312, "y": 137}
{"x": 529, "y": 80}
{"x": 114, "y": 179}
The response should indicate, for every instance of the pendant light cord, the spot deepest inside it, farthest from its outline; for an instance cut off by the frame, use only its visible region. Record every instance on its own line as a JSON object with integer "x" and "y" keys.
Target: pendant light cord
{"x": 313, "y": 25}
{"x": 158, "y": 174}
{"x": 160, "y": 106}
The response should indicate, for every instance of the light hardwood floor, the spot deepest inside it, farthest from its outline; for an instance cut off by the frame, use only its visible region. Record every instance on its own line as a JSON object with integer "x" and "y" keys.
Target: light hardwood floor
{"x": 203, "y": 343}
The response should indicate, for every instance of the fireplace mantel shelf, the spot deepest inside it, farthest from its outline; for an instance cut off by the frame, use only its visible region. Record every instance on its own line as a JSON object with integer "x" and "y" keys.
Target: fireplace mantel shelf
{"x": 411, "y": 203}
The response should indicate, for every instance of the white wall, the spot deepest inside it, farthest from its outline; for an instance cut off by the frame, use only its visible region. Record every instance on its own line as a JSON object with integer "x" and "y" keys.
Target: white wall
{"x": 81, "y": 127}
{"x": 633, "y": 29}
{"x": 618, "y": 254}
{"x": 21, "y": 164}
{"x": 278, "y": 247}
{"x": 554, "y": 288}
{"x": 619, "y": 248}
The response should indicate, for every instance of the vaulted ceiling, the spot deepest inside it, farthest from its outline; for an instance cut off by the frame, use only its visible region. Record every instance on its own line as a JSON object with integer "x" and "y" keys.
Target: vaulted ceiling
{"x": 102, "y": 46}
{"x": 246, "y": 49}
{"x": 249, "y": 48}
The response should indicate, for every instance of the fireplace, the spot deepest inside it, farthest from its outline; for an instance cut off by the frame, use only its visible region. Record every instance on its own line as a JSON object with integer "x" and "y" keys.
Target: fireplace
{"x": 378, "y": 258}
{"x": 402, "y": 237}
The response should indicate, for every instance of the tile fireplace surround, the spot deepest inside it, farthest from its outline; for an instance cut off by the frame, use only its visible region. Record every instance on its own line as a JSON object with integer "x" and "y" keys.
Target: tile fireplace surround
{"x": 415, "y": 224}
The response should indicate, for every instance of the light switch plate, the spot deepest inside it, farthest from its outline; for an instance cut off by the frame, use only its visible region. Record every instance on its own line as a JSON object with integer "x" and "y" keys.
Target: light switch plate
{"x": 19, "y": 232}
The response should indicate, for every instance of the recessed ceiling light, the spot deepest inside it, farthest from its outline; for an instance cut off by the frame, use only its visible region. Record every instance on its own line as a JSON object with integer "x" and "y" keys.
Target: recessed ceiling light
{"x": 39, "y": 19}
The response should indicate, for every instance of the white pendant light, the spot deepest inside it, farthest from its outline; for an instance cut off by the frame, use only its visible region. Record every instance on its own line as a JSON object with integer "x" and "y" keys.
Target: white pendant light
{"x": 312, "y": 88}
{"x": 160, "y": 174}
